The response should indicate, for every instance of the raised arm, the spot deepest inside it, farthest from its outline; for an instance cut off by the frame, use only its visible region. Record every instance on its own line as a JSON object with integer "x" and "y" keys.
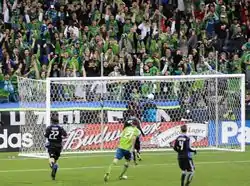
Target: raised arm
{"x": 50, "y": 65}
{"x": 34, "y": 61}
{"x": 83, "y": 71}
{"x": 74, "y": 69}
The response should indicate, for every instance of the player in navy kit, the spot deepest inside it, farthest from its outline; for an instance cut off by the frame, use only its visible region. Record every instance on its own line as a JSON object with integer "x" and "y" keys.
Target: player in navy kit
{"x": 54, "y": 133}
{"x": 184, "y": 150}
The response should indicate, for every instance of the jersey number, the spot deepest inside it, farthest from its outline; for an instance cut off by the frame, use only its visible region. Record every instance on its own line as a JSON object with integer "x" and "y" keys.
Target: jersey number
{"x": 54, "y": 134}
{"x": 128, "y": 134}
{"x": 181, "y": 145}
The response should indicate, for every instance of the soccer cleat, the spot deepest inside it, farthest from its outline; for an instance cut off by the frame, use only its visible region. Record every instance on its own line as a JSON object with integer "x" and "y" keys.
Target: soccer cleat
{"x": 123, "y": 177}
{"x": 135, "y": 163}
{"x": 106, "y": 177}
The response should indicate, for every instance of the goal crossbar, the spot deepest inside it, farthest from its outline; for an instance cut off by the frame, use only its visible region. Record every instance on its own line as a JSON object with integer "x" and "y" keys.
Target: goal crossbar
{"x": 207, "y": 76}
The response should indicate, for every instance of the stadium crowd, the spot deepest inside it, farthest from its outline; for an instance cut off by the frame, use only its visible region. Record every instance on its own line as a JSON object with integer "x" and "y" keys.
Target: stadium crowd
{"x": 66, "y": 38}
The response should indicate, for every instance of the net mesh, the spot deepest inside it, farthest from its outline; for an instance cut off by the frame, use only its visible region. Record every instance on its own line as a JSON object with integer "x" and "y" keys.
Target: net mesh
{"x": 32, "y": 95}
{"x": 93, "y": 111}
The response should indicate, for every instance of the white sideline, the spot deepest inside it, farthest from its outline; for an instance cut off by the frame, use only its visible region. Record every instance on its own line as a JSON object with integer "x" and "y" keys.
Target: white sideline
{"x": 102, "y": 167}
{"x": 11, "y": 158}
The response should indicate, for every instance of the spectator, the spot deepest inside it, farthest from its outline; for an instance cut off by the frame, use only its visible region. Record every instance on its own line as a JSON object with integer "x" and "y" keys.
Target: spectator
{"x": 42, "y": 39}
{"x": 8, "y": 87}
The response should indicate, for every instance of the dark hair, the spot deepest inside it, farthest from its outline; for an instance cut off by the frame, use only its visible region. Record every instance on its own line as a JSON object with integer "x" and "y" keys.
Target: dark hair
{"x": 184, "y": 128}
{"x": 54, "y": 118}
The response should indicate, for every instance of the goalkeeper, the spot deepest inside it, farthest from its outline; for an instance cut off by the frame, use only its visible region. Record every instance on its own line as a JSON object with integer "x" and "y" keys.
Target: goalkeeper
{"x": 125, "y": 147}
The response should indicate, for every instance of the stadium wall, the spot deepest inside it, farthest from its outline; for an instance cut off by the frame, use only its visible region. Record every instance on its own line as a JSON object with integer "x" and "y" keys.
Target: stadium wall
{"x": 84, "y": 136}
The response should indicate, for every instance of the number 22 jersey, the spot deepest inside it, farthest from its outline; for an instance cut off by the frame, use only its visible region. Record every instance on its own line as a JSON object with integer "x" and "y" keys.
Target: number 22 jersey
{"x": 54, "y": 134}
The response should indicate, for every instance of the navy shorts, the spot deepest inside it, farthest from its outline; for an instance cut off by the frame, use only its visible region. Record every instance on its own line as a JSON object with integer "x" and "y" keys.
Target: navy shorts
{"x": 54, "y": 150}
{"x": 121, "y": 153}
{"x": 186, "y": 164}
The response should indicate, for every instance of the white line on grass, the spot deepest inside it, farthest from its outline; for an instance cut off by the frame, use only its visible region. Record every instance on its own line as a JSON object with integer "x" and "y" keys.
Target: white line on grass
{"x": 102, "y": 167}
{"x": 202, "y": 153}
{"x": 144, "y": 154}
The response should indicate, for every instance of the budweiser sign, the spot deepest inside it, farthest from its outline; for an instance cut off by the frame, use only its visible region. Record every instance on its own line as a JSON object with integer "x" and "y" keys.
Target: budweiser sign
{"x": 95, "y": 136}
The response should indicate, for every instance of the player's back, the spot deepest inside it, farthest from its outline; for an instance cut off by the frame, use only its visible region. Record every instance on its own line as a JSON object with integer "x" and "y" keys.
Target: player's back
{"x": 182, "y": 146}
{"x": 127, "y": 136}
{"x": 55, "y": 134}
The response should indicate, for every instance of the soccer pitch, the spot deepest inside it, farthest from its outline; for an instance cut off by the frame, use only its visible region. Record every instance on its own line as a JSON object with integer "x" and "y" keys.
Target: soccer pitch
{"x": 213, "y": 168}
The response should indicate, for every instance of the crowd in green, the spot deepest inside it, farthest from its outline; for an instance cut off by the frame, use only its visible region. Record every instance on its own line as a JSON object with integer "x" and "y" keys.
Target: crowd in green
{"x": 57, "y": 38}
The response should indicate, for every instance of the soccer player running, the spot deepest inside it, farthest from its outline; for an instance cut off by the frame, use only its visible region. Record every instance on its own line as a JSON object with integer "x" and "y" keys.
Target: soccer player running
{"x": 133, "y": 110}
{"x": 54, "y": 133}
{"x": 183, "y": 148}
{"x": 125, "y": 147}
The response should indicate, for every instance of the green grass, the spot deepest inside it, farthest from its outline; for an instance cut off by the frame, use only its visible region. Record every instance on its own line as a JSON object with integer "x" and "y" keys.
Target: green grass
{"x": 157, "y": 169}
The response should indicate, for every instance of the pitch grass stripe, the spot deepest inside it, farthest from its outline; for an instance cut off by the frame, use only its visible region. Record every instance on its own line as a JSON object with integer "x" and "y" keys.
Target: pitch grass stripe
{"x": 201, "y": 153}
{"x": 103, "y": 167}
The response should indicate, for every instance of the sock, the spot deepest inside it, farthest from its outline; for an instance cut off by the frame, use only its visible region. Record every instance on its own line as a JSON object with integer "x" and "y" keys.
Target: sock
{"x": 134, "y": 156}
{"x": 55, "y": 167}
{"x": 189, "y": 178}
{"x": 183, "y": 176}
{"x": 110, "y": 167}
{"x": 125, "y": 168}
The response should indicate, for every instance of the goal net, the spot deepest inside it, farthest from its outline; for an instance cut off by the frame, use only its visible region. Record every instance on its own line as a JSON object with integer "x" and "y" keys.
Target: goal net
{"x": 92, "y": 110}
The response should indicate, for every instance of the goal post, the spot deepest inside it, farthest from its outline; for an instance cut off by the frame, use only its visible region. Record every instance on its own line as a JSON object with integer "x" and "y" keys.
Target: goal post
{"x": 92, "y": 110}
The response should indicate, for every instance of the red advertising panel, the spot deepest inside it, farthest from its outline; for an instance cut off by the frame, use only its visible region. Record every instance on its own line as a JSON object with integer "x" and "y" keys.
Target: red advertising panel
{"x": 158, "y": 135}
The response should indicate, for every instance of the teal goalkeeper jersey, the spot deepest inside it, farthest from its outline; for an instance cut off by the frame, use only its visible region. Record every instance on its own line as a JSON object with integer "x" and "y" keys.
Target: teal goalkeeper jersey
{"x": 126, "y": 140}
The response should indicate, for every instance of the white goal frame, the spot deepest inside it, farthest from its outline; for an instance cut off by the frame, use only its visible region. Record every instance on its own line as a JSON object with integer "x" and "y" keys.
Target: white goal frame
{"x": 151, "y": 78}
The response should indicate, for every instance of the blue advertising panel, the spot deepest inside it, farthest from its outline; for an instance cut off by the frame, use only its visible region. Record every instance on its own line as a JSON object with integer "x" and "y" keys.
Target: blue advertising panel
{"x": 229, "y": 132}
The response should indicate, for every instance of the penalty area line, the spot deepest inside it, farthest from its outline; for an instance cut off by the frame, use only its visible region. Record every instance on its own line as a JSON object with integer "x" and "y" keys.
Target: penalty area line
{"x": 138, "y": 166}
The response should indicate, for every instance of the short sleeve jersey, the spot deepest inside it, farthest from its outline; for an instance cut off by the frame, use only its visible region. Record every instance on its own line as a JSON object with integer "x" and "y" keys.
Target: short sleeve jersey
{"x": 126, "y": 140}
{"x": 182, "y": 146}
{"x": 55, "y": 134}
